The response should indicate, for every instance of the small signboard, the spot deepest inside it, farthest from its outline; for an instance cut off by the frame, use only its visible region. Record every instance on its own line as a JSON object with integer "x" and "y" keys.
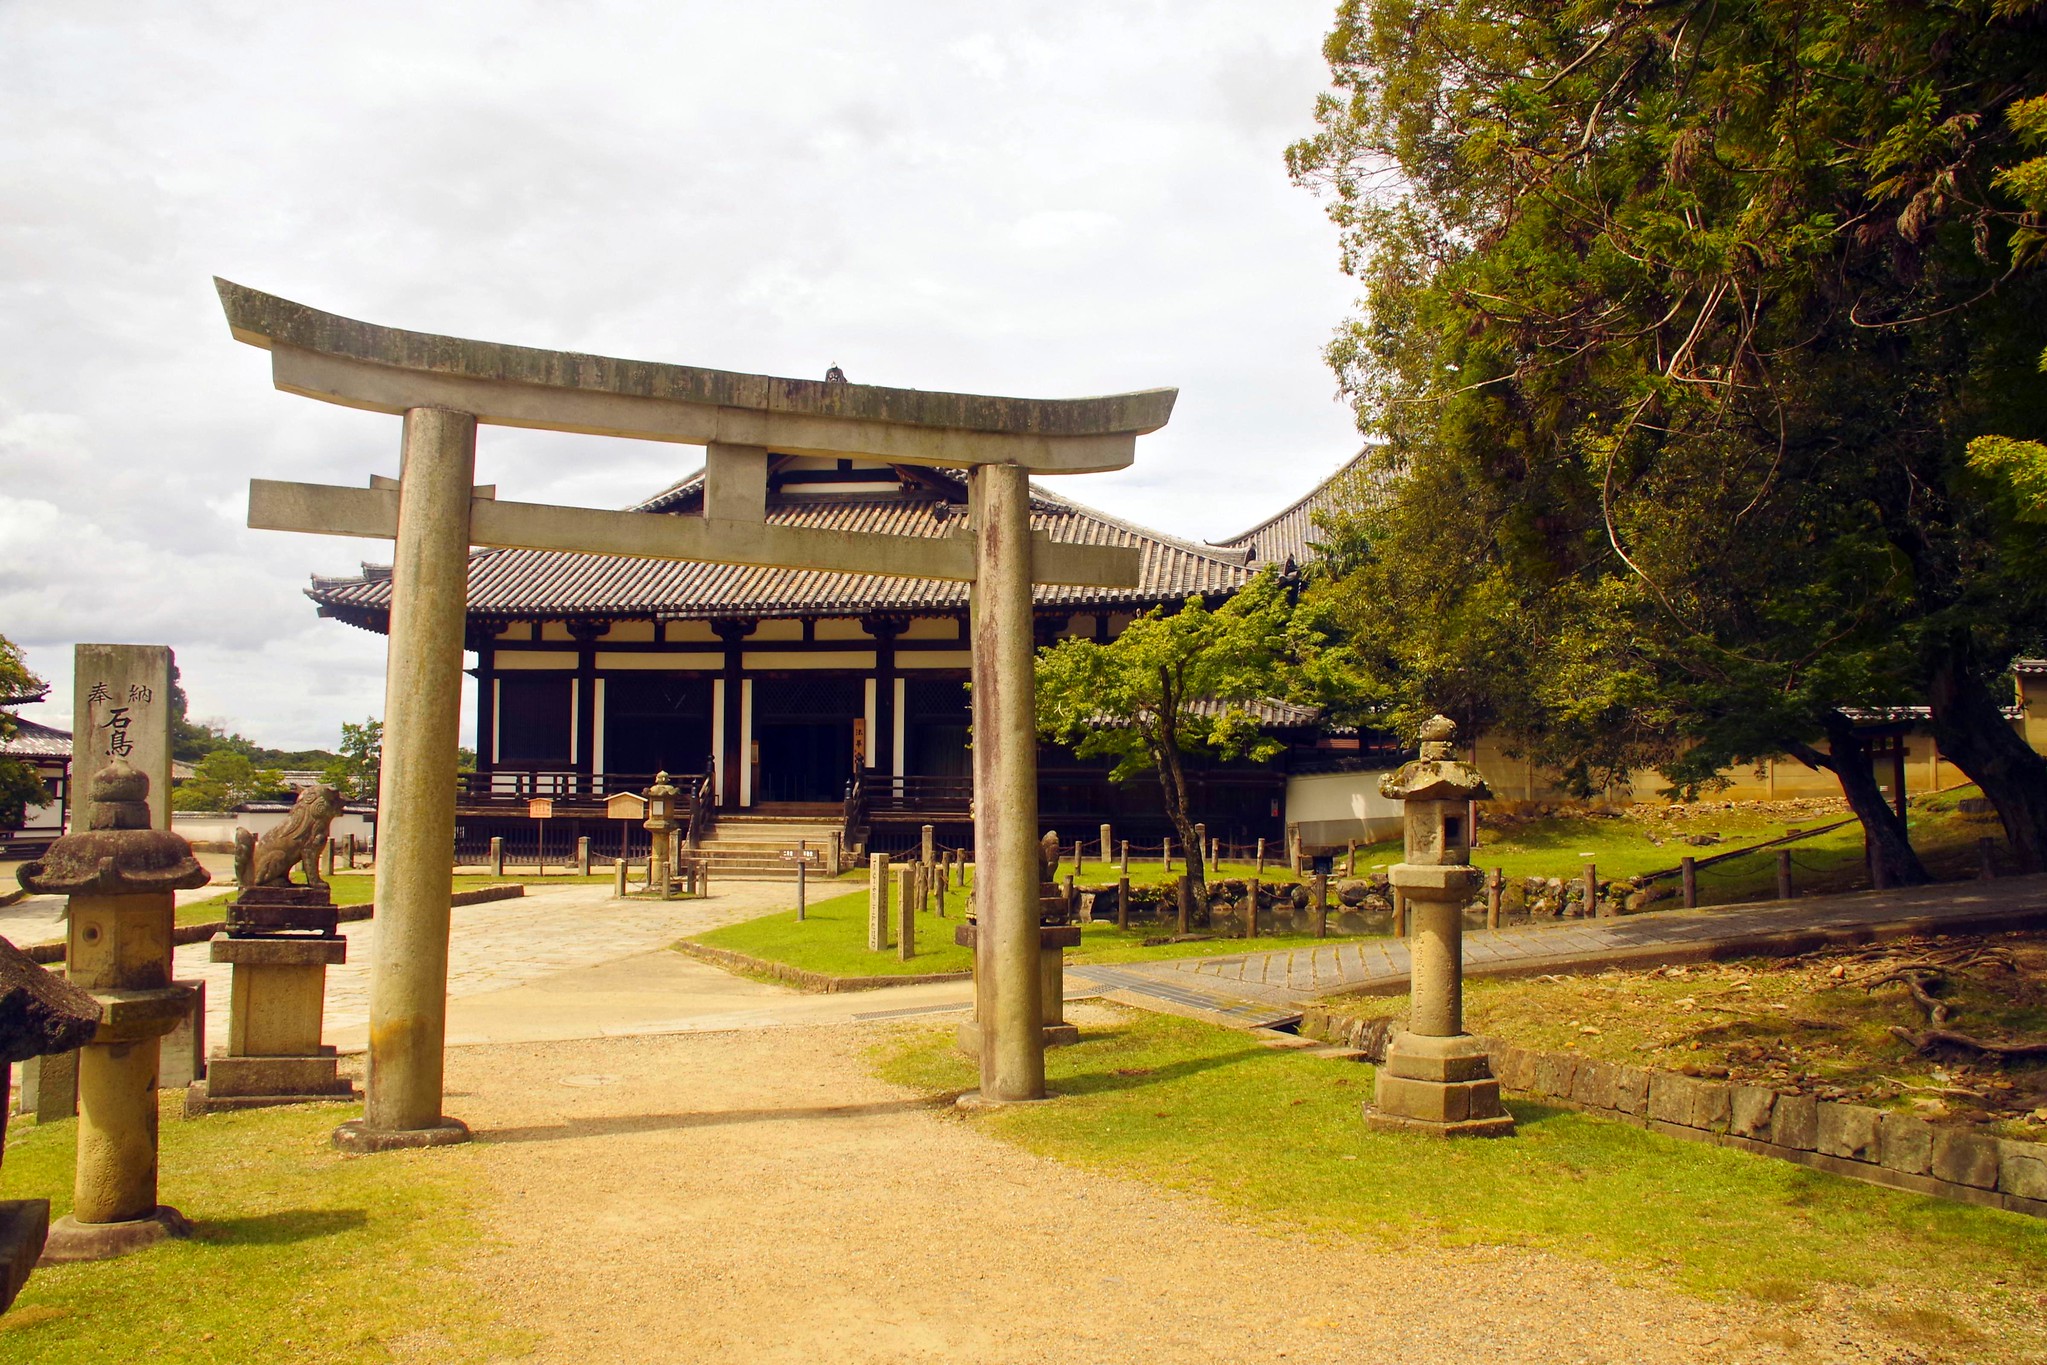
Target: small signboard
{"x": 790, "y": 855}
{"x": 625, "y": 806}
{"x": 540, "y": 808}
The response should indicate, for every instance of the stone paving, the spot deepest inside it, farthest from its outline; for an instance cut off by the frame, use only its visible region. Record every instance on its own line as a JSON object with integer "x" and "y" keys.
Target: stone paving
{"x": 1260, "y": 987}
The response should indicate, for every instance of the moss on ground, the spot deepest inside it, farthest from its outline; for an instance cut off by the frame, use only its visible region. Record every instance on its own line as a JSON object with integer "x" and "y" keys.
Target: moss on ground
{"x": 301, "y": 1254}
{"x": 1279, "y": 1136}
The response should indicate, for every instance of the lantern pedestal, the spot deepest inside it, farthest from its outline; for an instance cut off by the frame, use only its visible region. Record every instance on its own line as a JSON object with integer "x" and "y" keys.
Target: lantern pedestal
{"x": 1053, "y": 941}
{"x": 274, "y": 1054}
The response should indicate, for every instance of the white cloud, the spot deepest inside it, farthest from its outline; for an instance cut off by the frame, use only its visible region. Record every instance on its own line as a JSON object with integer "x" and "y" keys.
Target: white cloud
{"x": 1039, "y": 199}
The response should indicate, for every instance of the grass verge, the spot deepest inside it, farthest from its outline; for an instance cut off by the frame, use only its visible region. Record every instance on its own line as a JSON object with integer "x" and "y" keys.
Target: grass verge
{"x": 1279, "y": 1136}
{"x": 832, "y": 938}
{"x": 301, "y": 1254}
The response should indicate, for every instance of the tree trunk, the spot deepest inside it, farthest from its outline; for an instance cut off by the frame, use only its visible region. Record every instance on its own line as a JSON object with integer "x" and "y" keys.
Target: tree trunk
{"x": 1886, "y": 848}
{"x": 1974, "y": 735}
{"x": 1173, "y": 785}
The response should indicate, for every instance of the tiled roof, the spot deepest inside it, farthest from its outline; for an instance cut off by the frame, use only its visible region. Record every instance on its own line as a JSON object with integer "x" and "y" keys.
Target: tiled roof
{"x": 529, "y": 583}
{"x": 1292, "y": 534}
{"x": 36, "y": 741}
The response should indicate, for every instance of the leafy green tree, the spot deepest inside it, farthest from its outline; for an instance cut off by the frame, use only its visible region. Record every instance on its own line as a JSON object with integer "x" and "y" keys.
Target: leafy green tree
{"x": 1679, "y": 317}
{"x": 1179, "y": 682}
{"x": 353, "y": 772}
{"x": 225, "y": 779}
{"x": 20, "y": 787}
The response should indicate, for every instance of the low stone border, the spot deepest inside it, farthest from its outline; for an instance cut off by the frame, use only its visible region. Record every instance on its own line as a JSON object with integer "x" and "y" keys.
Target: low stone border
{"x": 816, "y": 983}
{"x": 1881, "y": 1146}
{"x": 46, "y": 953}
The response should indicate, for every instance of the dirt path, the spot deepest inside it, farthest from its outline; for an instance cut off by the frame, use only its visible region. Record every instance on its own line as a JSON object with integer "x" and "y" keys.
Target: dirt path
{"x": 759, "y": 1197}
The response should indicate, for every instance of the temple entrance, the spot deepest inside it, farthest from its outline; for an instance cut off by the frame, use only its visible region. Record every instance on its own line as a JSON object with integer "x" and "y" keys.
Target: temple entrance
{"x": 803, "y": 737}
{"x": 657, "y": 722}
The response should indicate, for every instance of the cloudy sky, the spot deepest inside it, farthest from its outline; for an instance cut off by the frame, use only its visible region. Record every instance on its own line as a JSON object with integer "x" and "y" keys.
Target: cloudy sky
{"x": 1041, "y": 200}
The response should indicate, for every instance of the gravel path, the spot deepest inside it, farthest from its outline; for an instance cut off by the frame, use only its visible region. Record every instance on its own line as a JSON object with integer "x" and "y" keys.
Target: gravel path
{"x": 760, "y": 1197}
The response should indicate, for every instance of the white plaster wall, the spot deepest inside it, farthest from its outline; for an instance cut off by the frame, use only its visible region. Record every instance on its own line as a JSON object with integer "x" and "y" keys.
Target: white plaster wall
{"x": 1334, "y": 808}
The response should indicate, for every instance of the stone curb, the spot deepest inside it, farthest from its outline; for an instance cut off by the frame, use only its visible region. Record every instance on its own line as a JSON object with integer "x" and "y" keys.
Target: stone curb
{"x": 1880, "y": 1146}
{"x": 183, "y": 934}
{"x": 813, "y": 983}
{"x": 1773, "y": 943}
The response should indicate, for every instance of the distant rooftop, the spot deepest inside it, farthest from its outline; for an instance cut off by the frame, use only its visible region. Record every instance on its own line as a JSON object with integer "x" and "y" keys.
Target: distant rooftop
{"x": 1291, "y": 534}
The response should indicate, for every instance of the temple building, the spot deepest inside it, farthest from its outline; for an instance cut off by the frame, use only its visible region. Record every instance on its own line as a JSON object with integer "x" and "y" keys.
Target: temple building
{"x": 806, "y": 696}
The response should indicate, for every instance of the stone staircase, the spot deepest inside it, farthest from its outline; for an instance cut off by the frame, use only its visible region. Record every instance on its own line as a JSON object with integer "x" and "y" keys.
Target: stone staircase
{"x": 750, "y": 845}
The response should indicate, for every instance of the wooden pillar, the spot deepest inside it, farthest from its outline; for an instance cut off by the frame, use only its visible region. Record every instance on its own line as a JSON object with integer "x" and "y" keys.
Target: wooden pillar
{"x": 1783, "y": 874}
{"x": 906, "y": 913}
{"x": 1318, "y": 898}
{"x": 1123, "y": 900}
{"x": 1688, "y": 874}
{"x": 1494, "y": 884}
{"x": 1183, "y": 891}
{"x": 1251, "y": 901}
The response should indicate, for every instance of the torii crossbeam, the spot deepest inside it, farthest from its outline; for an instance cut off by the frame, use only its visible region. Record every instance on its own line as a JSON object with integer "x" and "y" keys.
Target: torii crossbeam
{"x": 445, "y": 386}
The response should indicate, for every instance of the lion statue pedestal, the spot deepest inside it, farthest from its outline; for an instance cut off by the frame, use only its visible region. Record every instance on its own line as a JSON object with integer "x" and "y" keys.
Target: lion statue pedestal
{"x": 280, "y": 939}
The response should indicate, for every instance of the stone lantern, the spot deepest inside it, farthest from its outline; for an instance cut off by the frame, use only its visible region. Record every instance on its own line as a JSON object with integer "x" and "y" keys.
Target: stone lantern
{"x": 1436, "y": 1077}
{"x": 1056, "y": 933}
{"x": 660, "y": 820}
{"x": 120, "y": 875}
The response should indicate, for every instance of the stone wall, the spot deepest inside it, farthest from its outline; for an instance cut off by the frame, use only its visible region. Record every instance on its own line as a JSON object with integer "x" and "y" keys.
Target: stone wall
{"x": 1881, "y": 1146}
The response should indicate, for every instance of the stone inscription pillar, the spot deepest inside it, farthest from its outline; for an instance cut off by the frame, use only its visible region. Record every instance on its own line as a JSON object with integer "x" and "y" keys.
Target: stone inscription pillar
{"x": 1006, "y": 809}
{"x": 415, "y": 794}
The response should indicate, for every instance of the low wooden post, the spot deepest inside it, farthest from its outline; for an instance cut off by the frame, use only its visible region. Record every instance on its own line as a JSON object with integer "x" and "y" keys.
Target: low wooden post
{"x": 351, "y": 853}
{"x": 1069, "y": 895}
{"x": 927, "y": 846}
{"x": 1123, "y": 899}
{"x": 618, "y": 879}
{"x": 877, "y": 902}
{"x": 1592, "y": 889}
{"x": 1166, "y": 854}
{"x": 938, "y": 889}
{"x": 1783, "y": 874}
{"x": 1108, "y": 848}
{"x": 1688, "y": 878}
{"x": 837, "y": 855}
{"x": 1215, "y": 852}
{"x": 1259, "y": 868}
{"x": 1399, "y": 913}
{"x": 1078, "y": 846}
{"x": 906, "y": 914}
{"x": 1986, "y": 858}
{"x": 802, "y": 887}
{"x": 1201, "y": 843}
{"x": 1183, "y": 891}
{"x": 1251, "y": 907}
{"x": 583, "y": 856}
{"x": 1123, "y": 858}
{"x": 497, "y": 857}
{"x": 1493, "y": 887}
{"x": 1353, "y": 859}
{"x": 1318, "y": 898}
{"x": 333, "y": 848}
{"x": 1293, "y": 849}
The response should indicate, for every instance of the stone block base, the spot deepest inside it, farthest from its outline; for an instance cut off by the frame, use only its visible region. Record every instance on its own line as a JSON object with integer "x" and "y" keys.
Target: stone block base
{"x": 974, "y": 1102}
{"x": 71, "y": 1240}
{"x": 968, "y": 1039}
{"x": 1450, "y": 1108}
{"x": 313, "y": 1077}
{"x": 354, "y": 1138}
{"x": 24, "y": 1226}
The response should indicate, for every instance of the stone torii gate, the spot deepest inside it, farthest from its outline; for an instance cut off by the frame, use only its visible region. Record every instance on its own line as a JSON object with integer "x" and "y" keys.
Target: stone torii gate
{"x": 444, "y": 387}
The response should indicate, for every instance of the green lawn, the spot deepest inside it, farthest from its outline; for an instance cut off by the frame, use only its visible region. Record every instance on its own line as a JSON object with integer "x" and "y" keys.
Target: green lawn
{"x": 832, "y": 938}
{"x": 1623, "y": 846}
{"x": 1278, "y": 1136}
{"x": 360, "y": 888}
{"x": 301, "y": 1254}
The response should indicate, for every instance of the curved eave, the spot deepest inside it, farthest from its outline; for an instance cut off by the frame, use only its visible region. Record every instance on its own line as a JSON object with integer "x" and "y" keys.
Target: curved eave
{"x": 266, "y": 321}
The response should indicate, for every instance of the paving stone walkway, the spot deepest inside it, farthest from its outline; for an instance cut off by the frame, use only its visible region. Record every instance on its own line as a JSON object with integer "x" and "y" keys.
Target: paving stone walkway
{"x": 1264, "y": 987}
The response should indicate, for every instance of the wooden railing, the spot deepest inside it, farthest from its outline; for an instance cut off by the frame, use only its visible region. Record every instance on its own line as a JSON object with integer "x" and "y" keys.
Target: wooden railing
{"x": 703, "y": 807}
{"x": 572, "y": 792}
{"x": 925, "y": 797}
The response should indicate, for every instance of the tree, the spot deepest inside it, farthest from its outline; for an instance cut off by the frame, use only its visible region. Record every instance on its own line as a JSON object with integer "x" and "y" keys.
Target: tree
{"x": 20, "y": 787}
{"x": 1679, "y": 319}
{"x": 354, "y": 772}
{"x": 1183, "y": 681}
{"x": 225, "y": 779}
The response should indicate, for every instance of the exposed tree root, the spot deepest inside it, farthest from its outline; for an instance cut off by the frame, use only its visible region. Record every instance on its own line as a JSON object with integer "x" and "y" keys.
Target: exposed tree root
{"x": 1934, "y": 1038}
{"x": 1917, "y": 979}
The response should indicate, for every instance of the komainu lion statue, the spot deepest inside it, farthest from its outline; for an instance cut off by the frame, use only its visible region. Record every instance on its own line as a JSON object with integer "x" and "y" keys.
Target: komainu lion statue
{"x": 294, "y": 842}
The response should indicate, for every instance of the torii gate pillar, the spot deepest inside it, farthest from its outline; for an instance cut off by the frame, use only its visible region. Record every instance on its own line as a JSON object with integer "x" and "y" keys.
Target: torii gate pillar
{"x": 446, "y": 386}
{"x": 415, "y": 813}
{"x": 1006, "y": 875}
